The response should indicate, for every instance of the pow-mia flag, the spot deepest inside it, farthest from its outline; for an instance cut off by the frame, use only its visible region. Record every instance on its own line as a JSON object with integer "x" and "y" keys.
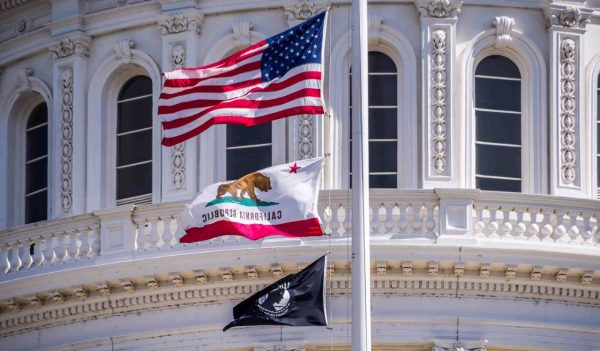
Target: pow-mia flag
{"x": 296, "y": 300}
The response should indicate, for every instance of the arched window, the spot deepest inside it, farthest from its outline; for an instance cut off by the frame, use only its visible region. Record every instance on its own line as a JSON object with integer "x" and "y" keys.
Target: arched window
{"x": 498, "y": 125}
{"x": 134, "y": 142}
{"x": 248, "y": 149}
{"x": 36, "y": 165}
{"x": 383, "y": 122}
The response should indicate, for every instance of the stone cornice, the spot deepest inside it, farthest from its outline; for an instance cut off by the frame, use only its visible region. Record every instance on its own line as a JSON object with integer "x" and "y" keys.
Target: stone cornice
{"x": 406, "y": 278}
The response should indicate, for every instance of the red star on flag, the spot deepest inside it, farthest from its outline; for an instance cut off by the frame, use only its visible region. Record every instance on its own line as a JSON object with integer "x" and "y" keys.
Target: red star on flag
{"x": 294, "y": 168}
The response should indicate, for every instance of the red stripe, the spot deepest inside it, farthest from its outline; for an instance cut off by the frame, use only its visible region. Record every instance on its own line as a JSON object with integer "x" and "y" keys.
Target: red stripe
{"x": 297, "y": 229}
{"x": 182, "y": 83}
{"x": 230, "y": 60}
{"x": 238, "y": 103}
{"x": 246, "y": 121}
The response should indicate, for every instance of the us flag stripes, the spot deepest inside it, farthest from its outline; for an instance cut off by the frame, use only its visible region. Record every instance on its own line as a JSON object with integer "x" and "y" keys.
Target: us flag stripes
{"x": 275, "y": 78}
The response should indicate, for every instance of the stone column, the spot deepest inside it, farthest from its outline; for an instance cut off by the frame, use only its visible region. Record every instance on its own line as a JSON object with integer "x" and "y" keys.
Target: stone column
{"x": 570, "y": 170}
{"x": 440, "y": 162}
{"x": 180, "y": 32}
{"x": 69, "y": 110}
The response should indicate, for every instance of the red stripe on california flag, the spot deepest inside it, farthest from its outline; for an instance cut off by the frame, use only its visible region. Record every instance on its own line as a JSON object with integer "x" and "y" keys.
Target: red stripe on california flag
{"x": 303, "y": 228}
{"x": 246, "y": 121}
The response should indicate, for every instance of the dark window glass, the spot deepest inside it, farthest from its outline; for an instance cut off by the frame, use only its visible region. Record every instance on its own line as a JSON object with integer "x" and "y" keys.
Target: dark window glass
{"x": 495, "y": 94}
{"x": 498, "y": 184}
{"x": 501, "y": 161}
{"x": 383, "y": 122}
{"x": 498, "y": 127}
{"x": 134, "y": 181}
{"x": 36, "y": 207}
{"x": 498, "y": 133}
{"x": 36, "y": 165}
{"x": 134, "y": 139}
{"x": 136, "y": 87}
{"x": 497, "y": 66}
{"x": 247, "y": 160}
{"x": 238, "y": 135}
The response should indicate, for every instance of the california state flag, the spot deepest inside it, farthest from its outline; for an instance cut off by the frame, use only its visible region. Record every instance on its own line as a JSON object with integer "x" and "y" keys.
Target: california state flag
{"x": 279, "y": 200}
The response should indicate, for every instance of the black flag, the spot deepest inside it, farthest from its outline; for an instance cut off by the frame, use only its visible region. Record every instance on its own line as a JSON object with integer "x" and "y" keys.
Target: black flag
{"x": 296, "y": 300}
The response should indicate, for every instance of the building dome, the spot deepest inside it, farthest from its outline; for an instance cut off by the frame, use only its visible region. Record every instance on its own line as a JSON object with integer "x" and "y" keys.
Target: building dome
{"x": 484, "y": 139}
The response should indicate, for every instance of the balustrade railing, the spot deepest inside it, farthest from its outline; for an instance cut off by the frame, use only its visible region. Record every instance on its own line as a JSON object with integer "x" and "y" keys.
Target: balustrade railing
{"x": 433, "y": 215}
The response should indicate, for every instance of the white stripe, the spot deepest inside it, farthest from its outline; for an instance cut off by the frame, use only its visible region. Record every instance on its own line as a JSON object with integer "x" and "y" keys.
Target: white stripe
{"x": 241, "y": 112}
{"x": 207, "y": 72}
{"x": 220, "y": 80}
{"x": 261, "y": 96}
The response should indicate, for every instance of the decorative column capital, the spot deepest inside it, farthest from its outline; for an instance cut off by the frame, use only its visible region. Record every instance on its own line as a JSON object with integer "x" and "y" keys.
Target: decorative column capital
{"x": 558, "y": 15}
{"x": 68, "y": 46}
{"x": 439, "y": 8}
{"x": 179, "y": 23}
{"x": 300, "y": 10}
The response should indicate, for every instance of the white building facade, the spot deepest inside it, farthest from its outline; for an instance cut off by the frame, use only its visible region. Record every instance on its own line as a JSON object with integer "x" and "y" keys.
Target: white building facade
{"x": 485, "y": 174}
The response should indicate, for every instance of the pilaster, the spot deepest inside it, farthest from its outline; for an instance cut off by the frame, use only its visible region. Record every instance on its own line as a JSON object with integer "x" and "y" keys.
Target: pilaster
{"x": 569, "y": 164}
{"x": 180, "y": 31}
{"x": 440, "y": 160}
{"x": 304, "y": 132}
{"x": 69, "y": 109}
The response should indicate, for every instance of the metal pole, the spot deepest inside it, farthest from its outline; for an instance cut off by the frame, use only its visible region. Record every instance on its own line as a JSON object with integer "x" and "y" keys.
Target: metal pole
{"x": 361, "y": 257}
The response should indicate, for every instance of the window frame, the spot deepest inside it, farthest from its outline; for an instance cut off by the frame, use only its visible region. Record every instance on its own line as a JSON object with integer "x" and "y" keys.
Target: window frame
{"x": 25, "y": 161}
{"x": 593, "y": 79}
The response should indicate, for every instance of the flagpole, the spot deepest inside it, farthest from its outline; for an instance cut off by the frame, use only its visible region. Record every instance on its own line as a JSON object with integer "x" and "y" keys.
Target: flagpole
{"x": 361, "y": 257}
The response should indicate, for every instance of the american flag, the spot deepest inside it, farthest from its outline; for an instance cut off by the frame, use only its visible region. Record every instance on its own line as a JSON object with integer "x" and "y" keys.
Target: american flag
{"x": 275, "y": 78}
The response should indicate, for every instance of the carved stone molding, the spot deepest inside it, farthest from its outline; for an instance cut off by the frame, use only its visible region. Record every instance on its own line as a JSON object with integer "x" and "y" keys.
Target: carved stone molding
{"x": 374, "y": 23}
{"x": 123, "y": 49}
{"x": 178, "y": 23}
{"x": 567, "y": 74}
{"x": 567, "y": 16}
{"x": 439, "y": 8}
{"x": 438, "y": 101}
{"x": 25, "y": 78}
{"x": 66, "y": 169}
{"x": 300, "y": 10}
{"x": 305, "y": 137}
{"x": 178, "y": 60}
{"x": 241, "y": 33}
{"x": 71, "y": 46}
{"x": 504, "y": 27}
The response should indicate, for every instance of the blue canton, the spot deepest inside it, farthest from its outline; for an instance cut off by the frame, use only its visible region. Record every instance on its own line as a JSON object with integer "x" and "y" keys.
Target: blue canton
{"x": 294, "y": 47}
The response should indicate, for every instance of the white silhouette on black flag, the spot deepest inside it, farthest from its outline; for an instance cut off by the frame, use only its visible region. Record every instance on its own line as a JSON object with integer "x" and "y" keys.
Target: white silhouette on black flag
{"x": 296, "y": 300}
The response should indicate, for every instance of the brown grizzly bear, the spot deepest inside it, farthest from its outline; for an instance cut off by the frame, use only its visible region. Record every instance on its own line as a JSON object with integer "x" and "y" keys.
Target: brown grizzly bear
{"x": 246, "y": 184}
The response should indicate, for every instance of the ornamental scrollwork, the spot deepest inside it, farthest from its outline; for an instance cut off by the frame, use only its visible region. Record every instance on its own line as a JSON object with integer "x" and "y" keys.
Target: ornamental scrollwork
{"x": 504, "y": 28}
{"x": 178, "y": 23}
{"x": 178, "y": 56}
{"x": 439, "y": 8}
{"x": 567, "y": 111}
{"x": 305, "y": 142}
{"x": 302, "y": 10}
{"x": 67, "y": 47}
{"x": 567, "y": 16}
{"x": 241, "y": 33}
{"x": 438, "y": 100}
{"x": 66, "y": 175}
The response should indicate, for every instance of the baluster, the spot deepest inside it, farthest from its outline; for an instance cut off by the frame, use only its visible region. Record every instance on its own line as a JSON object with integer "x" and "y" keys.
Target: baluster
{"x": 574, "y": 230}
{"x": 373, "y": 219}
{"x": 49, "y": 254}
{"x": 395, "y": 213}
{"x": 38, "y": 257}
{"x": 169, "y": 231}
{"x": 4, "y": 262}
{"x": 411, "y": 214}
{"x": 388, "y": 220}
{"x": 59, "y": 249}
{"x": 479, "y": 225}
{"x": 560, "y": 232}
{"x": 348, "y": 218}
{"x": 73, "y": 248}
{"x": 15, "y": 260}
{"x": 335, "y": 223}
{"x": 26, "y": 259}
{"x": 588, "y": 236}
{"x": 430, "y": 221}
{"x": 153, "y": 237}
{"x": 84, "y": 237}
{"x": 95, "y": 241}
{"x": 381, "y": 215}
{"x": 493, "y": 225}
{"x": 341, "y": 215}
{"x": 547, "y": 227}
{"x": 520, "y": 227}
{"x": 402, "y": 219}
{"x": 140, "y": 230}
{"x": 418, "y": 219}
{"x": 506, "y": 227}
{"x": 327, "y": 218}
